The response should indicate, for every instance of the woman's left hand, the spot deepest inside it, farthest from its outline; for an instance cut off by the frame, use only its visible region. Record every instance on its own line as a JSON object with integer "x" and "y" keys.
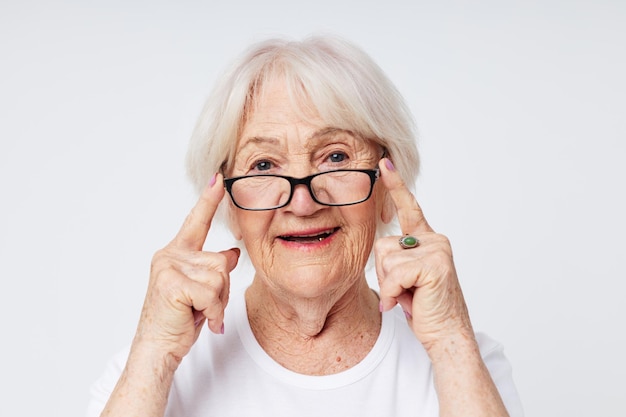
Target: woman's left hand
{"x": 422, "y": 279}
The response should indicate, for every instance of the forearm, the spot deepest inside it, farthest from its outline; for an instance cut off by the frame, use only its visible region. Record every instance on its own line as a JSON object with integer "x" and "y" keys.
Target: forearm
{"x": 462, "y": 381}
{"x": 144, "y": 385}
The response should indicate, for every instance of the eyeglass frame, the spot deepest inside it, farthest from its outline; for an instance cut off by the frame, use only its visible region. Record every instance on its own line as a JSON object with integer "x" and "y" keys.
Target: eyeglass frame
{"x": 374, "y": 174}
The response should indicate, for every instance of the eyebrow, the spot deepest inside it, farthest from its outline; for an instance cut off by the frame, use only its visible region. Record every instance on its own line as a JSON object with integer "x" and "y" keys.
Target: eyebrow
{"x": 254, "y": 140}
{"x": 327, "y": 135}
{"x": 331, "y": 131}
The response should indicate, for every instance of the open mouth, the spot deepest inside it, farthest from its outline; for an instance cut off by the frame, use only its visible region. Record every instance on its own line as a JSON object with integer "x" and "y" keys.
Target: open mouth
{"x": 309, "y": 238}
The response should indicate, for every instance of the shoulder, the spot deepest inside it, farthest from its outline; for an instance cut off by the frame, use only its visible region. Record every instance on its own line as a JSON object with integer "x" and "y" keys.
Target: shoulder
{"x": 412, "y": 361}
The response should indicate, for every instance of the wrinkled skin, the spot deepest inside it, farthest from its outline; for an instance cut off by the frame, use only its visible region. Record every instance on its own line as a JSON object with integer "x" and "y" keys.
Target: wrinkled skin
{"x": 307, "y": 296}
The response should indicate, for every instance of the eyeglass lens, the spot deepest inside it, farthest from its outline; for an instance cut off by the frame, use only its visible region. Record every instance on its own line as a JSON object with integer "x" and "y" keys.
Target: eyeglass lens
{"x": 332, "y": 188}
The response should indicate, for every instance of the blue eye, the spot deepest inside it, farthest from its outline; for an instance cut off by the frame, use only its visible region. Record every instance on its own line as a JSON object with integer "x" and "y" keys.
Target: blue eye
{"x": 263, "y": 165}
{"x": 337, "y": 157}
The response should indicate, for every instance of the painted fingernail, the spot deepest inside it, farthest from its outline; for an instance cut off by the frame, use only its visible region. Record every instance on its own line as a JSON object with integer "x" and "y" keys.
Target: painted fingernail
{"x": 380, "y": 306}
{"x": 212, "y": 180}
{"x": 408, "y": 315}
{"x": 198, "y": 321}
{"x": 222, "y": 329}
{"x": 389, "y": 164}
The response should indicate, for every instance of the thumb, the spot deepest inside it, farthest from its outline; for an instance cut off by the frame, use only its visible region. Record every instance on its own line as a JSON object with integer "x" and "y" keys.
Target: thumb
{"x": 232, "y": 257}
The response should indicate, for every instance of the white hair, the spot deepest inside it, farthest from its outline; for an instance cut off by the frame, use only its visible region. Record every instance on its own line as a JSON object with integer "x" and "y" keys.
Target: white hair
{"x": 324, "y": 75}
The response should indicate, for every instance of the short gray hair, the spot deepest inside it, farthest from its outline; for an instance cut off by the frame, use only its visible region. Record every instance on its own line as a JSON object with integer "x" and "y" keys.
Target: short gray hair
{"x": 326, "y": 74}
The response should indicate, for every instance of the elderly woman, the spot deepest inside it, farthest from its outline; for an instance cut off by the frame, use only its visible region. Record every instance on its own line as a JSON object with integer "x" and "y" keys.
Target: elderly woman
{"x": 315, "y": 149}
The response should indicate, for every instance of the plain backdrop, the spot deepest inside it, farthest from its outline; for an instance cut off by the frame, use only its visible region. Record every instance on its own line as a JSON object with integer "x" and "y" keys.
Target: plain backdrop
{"x": 521, "y": 112}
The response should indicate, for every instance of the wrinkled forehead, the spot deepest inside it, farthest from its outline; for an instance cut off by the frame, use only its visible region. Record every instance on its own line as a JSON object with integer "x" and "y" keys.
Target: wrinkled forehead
{"x": 312, "y": 100}
{"x": 306, "y": 141}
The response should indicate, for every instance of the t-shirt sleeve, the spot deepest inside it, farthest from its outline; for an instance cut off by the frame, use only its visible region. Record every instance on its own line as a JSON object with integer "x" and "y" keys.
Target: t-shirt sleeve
{"x": 102, "y": 388}
{"x": 501, "y": 372}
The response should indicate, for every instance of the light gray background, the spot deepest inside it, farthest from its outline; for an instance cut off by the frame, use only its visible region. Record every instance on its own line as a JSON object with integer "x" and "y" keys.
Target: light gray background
{"x": 520, "y": 106}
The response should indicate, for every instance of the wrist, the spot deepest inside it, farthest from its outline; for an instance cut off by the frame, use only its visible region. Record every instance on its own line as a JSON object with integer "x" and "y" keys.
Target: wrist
{"x": 152, "y": 358}
{"x": 452, "y": 346}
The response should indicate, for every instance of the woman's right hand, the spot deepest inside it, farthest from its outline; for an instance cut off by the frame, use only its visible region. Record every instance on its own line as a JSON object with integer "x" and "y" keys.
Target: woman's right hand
{"x": 187, "y": 285}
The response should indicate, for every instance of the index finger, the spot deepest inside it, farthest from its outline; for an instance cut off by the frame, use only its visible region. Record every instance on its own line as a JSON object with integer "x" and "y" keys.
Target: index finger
{"x": 194, "y": 230}
{"x": 410, "y": 215}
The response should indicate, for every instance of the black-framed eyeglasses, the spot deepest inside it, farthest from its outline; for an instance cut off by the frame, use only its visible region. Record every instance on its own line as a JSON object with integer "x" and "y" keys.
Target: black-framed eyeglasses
{"x": 342, "y": 187}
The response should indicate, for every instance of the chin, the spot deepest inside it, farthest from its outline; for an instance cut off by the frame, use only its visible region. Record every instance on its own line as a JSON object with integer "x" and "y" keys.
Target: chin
{"x": 310, "y": 281}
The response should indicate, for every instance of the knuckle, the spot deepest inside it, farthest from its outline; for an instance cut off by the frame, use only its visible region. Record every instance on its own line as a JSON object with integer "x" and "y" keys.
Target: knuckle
{"x": 159, "y": 267}
{"x": 443, "y": 239}
{"x": 444, "y": 245}
{"x": 165, "y": 256}
{"x": 214, "y": 285}
{"x": 379, "y": 246}
{"x": 387, "y": 266}
{"x": 162, "y": 261}
{"x": 384, "y": 287}
{"x": 220, "y": 262}
{"x": 159, "y": 257}
{"x": 384, "y": 246}
{"x": 212, "y": 294}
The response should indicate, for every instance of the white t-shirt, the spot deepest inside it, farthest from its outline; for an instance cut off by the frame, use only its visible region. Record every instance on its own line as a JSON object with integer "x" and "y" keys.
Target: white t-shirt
{"x": 231, "y": 375}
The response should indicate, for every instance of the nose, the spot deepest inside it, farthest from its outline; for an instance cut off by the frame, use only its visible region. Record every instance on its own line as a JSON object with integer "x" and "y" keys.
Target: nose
{"x": 302, "y": 203}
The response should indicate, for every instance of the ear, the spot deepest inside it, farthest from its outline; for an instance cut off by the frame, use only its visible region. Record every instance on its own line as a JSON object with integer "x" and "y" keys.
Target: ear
{"x": 388, "y": 211}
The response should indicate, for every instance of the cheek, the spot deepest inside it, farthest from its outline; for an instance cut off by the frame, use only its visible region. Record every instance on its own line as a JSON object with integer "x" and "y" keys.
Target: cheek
{"x": 360, "y": 234}
{"x": 253, "y": 228}
{"x": 364, "y": 216}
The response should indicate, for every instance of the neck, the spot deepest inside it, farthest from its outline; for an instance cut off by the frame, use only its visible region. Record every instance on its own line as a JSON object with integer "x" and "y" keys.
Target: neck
{"x": 315, "y": 336}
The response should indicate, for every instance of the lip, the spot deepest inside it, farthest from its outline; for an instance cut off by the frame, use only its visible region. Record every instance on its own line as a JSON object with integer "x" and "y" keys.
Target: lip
{"x": 307, "y": 245}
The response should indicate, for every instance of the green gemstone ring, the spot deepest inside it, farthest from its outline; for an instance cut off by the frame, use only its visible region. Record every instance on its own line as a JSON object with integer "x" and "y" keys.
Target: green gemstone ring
{"x": 408, "y": 242}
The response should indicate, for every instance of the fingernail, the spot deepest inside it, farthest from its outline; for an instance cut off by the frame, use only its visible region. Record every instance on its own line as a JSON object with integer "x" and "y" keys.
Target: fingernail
{"x": 408, "y": 315}
{"x": 389, "y": 164}
{"x": 222, "y": 329}
{"x": 212, "y": 180}
{"x": 380, "y": 306}
{"x": 198, "y": 321}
